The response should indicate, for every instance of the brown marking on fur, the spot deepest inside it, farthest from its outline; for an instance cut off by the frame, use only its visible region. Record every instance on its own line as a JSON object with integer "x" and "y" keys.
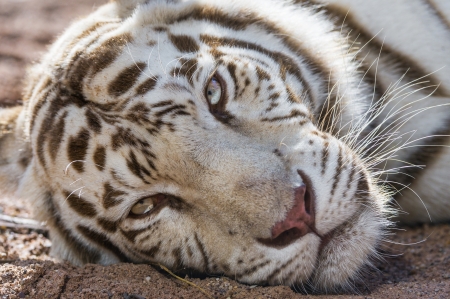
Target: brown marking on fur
{"x": 57, "y": 104}
{"x": 277, "y": 152}
{"x": 126, "y": 79}
{"x": 93, "y": 121}
{"x": 406, "y": 66}
{"x": 77, "y": 149}
{"x": 131, "y": 235}
{"x": 169, "y": 110}
{"x": 362, "y": 189}
{"x": 282, "y": 267}
{"x": 176, "y": 253}
{"x": 102, "y": 241}
{"x": 262, "y": 74}
{"x": 100, "y": 157}
{"x": 43, "y": 88}
{"x": 56, "y": 136}
{"x": 337, "y": 174}
{"x": 163, "y": 103}
{"x": 80, "y": 205}
{"x": 274, "y": 96}
{"x": 111, "y": 196}
{"x": 294, "y": 114}
{"x": 225, "y": 267}
{"x": 238, "y": 21}
{"x": 201, "y": 248}
{"x": 271, "y": 107}
{"x": 350, "y": 179}
{"x": 184, "y": 43}
{"x": 146, "y": 86}
{"x": 216, "y": 53}
{"x": 160, "y": 28}
{"x": 231, "y": 67}
{"x": 137, "y": 168}
{"x": 189, "y": 250}
{"x": 152, "y": 251}
{"x": 80, "y": 250}
{"x": 89, "y": 64}
{"x": 107, "y": 225}
{"x": 442, "y": 17}
{"x": 292, "y": 96}
{"x": 325, "y": 154}
{"x": 126, "y": 137}
{"x": 187, "y": 69}
{"x": 138, "y": 113}
{"x": 253, "y": 269}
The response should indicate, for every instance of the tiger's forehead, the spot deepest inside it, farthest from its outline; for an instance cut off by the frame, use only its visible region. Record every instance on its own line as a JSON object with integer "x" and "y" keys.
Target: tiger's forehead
{"x": 178, "y": 65}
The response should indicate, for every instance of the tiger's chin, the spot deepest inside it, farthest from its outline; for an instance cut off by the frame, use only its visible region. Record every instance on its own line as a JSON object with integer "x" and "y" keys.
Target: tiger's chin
{"x": 347, "y": 249}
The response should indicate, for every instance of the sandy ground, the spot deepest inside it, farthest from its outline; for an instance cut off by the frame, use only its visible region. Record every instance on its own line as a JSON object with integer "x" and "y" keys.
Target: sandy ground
{"x": 420, "y": 268}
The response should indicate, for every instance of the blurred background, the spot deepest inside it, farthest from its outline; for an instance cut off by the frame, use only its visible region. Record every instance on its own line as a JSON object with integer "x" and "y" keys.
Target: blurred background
{"x": 27, "y": 27}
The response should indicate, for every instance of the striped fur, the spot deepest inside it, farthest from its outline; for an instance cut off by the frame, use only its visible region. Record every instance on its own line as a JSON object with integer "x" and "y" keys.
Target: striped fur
{"x": 312, "y": 94}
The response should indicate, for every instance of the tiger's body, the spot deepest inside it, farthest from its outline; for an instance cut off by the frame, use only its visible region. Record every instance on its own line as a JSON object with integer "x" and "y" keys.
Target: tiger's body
{"x": 254, "y": 139}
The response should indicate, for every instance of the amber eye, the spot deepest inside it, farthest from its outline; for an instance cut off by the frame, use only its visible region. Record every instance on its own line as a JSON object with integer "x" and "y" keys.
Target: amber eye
{"x": 213, "y": 91}
{"x": 142, "y": 207}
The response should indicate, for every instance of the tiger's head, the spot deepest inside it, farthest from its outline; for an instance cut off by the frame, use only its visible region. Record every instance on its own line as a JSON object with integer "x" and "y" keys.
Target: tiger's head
{"x": 208, "y": 135}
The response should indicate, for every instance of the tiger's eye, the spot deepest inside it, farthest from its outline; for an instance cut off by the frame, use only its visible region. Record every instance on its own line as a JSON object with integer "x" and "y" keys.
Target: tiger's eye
{"x": 213, "y": 91}
{"x": 143, "y": 206}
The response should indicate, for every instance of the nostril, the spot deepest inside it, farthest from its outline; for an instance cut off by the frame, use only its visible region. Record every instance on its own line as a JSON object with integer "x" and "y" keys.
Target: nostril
{"x": 308, "y": 203}
{"x": 299, "y": 220}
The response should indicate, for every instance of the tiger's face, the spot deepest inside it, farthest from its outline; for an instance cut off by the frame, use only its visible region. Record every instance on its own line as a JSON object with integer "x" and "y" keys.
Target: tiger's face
{"x": 186, "y": 142}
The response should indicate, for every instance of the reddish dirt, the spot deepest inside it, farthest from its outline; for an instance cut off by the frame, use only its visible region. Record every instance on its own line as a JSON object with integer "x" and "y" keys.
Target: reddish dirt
{"x": 418, "y": 269}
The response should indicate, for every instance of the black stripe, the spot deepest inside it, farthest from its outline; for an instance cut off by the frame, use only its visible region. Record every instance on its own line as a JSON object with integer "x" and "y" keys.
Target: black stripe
{"x": 126, "y": 79}
{"x": 282, "y": 267}
{"x": 294, "y": 114}
{"x": 100, "y": 157}
{"x": 131, "y": 235}
{"x": 253, "y": 269}
{"x": 184, "y": 43}
{"x": 405, "y": 65}
{"x": 351, "y": 177}
{"x": 108, "y": 225}
{"x": 337, "y": 174}
{"x": 442, "y": 18}
{"x": 56, "y": 136}
{"x": 77, "y": 149}
{"x": 325, "y": 154}
{"x": 102, "y": 241}
{"x": 111, "y": 197}
{"x": 80, "y": 205}
{"x": 201, "y": 247}
{"x": 82, "y": 252}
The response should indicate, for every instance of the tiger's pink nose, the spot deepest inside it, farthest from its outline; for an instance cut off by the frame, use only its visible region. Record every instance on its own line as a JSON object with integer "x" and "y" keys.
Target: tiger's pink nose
{"x": 299, "y": 219}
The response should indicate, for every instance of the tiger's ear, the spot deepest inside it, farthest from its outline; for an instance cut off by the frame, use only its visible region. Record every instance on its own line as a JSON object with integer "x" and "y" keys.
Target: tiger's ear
{"x": 126, "y": 7}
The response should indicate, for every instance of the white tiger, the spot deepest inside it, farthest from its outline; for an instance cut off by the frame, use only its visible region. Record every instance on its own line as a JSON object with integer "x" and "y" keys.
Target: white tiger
{"x": 258, "y": 139}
